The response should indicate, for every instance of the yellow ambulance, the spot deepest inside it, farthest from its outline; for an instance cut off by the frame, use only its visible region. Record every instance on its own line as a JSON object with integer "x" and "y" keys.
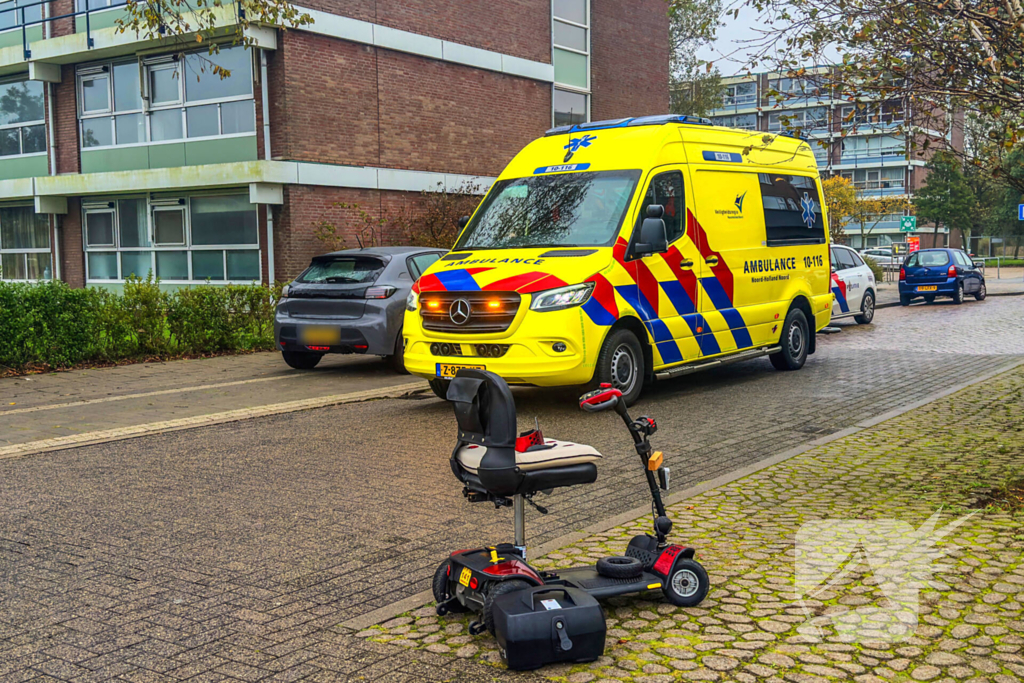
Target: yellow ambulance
{"x": 628, "y": 250}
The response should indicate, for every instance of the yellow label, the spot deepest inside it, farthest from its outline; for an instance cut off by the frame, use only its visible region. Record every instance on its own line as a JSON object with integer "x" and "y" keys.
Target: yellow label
{"x": 449, "y": 369}
{"x": 652, "y": 586}
{"x": 466, "y": 575}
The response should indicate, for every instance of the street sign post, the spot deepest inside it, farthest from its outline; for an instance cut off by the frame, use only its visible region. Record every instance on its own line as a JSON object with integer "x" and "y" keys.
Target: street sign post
{"x": 909, "y": 223}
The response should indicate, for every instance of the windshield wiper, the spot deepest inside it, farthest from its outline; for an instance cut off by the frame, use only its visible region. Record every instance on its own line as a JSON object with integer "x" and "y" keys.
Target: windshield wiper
{"x": 339, "y": 280}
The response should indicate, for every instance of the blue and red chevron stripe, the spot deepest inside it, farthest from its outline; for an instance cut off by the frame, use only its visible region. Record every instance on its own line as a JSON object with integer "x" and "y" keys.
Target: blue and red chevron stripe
{"x": 839, "y": 289}
{"x": 462, "y": 280}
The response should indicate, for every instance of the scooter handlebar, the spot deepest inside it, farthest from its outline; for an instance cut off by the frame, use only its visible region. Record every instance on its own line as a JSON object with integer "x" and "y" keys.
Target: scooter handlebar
{"x": 600, "y": 399}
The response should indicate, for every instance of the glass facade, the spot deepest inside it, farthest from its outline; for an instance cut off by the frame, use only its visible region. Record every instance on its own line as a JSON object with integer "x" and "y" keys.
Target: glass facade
{"x": 22, "y": 123}
{"x": 167, "y": 99}
{"x": 185, "y": 239}
{"x": 24, "y": 244}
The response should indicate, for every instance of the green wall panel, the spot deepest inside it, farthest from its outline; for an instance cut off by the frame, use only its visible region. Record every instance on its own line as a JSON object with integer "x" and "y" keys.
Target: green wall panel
{"x": 221, "y": 151}
{"x": 23, "y": 167}
{"x": 9, "y": 38}
{"x": 165, "y": 156}
{"x": 98, "y": 20}
{"x": 115, "y": 159}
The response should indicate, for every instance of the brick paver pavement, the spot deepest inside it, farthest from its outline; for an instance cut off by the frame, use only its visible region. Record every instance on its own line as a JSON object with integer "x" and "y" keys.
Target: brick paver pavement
{"x": 244, "y": 545}
{"x": 763, "y": 620}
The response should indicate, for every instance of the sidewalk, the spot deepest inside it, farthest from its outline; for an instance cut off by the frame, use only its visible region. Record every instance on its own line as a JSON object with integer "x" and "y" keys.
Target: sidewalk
{"x": 945, "y": 458}
{"x": 98, "y": 404}
{"x": 889, "y": 295}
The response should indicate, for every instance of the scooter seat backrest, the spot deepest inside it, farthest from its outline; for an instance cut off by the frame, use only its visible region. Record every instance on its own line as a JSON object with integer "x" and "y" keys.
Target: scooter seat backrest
{"x": 484, "y": 408}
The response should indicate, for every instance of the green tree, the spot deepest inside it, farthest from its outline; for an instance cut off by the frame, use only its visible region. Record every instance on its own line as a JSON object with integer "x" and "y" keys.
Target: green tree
{"x": 695, "y": 85}
{"x": 945, "y": 197}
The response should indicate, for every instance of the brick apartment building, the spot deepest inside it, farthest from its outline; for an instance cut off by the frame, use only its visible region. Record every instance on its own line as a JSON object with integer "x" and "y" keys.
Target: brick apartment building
{"x": 862, "y": 142}
{"x": 120, "y": 155}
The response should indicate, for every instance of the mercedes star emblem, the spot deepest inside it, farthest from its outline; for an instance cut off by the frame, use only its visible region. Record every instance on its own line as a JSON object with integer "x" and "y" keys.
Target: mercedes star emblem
{"x": 459, "y": 311}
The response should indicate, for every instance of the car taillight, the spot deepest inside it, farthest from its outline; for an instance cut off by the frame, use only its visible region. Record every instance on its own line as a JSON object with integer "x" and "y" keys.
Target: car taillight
{"x": 379, "y": 292}
{"x": 903, "y": 273}
{"x": 952, "y": 272}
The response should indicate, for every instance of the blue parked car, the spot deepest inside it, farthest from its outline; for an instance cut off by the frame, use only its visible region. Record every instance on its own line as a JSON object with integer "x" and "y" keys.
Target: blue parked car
{"x": 929, "y": 273}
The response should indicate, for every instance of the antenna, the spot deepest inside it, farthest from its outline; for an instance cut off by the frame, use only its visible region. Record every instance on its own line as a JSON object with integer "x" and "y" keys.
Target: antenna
{"x": 572, "y": 124}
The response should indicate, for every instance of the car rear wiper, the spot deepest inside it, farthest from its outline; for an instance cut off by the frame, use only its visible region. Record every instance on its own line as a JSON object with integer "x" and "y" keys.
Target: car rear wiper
{"x": 339, "y": 280}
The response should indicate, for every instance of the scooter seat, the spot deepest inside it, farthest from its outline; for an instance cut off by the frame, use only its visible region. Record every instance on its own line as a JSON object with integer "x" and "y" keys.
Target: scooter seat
{"x": 555, "y": 454}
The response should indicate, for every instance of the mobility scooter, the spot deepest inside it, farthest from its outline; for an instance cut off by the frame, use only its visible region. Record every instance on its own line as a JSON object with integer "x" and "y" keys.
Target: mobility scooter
{"x": 495, "y": 466}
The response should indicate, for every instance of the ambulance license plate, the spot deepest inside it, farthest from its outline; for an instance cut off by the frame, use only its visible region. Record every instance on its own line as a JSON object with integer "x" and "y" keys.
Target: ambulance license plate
{"x": 465, "y": 576}
{"x": 929, "y": 288}
{"x": 449, "y": 369}
{"x": 319, "y": 335}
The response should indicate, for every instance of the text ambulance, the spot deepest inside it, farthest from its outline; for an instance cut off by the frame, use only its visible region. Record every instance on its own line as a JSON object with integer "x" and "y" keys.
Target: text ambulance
{"x": 619, "y": 251}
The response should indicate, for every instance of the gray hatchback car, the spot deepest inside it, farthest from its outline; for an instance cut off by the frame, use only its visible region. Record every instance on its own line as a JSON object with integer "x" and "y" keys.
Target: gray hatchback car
{"x": 350, "y": 301}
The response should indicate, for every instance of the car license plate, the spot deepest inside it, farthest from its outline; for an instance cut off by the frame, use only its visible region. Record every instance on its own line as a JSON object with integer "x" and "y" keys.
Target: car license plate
{"x": 449, "y": 369}
{"x": 319, "y": 335}
{"x": 465, "y": 576}
{"x": 929, "y": 288}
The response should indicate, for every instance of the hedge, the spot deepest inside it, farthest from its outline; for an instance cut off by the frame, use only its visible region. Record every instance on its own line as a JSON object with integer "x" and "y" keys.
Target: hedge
{"x": 52, "y": 325}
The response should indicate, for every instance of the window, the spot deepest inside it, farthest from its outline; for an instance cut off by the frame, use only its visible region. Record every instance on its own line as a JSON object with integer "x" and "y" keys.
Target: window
{"x": 876, "y": 178}
{"x": 833, "y": 261}
{"x": 570, "y": 55}
{"x": 166, "y": 99}
{"x": 22, "y": 124}
{"x": 570, "y": 107}
{"x": 667, "y": 189}
{"x": 11, "y": 17}
{"x": 343, "y": 270}
{"x": 931, "y": 259}
{"x": 845, "y": 258}
{"x": 204, "y": 237}
{"x": 740, "y": 94}
{"x": 801, "y": 120}
{"x": 792, "y": 210}
{"x": 742, "y": 121}
{"x": 419, "y": 263}
{"x": 24, "y": 244}
{"x": 857, "y": 260}
{"x": 874, "y": 146}
{"x": 792, "y": 87}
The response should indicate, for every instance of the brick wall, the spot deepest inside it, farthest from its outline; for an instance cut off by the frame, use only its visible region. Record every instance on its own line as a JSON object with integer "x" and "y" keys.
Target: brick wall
{"x": 65, "y": 26}
{"x": 338, "y": 102}
{"x": 629, "y": 62}
{"x": 66, "y": 113}
{"x": 516, "y": 27}
{"x": 72, "y": 263}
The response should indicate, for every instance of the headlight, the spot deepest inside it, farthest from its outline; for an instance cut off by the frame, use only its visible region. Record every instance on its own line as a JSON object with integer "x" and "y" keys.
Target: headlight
{"x": 563, "y": 297}
{"x": 412, "y": 301}
{"x": 284, "y": 294}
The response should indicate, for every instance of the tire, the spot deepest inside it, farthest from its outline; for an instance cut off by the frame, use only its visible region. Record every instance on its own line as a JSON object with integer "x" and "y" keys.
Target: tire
{"x": 620, "y": 567}
{"x": 867, "y": 309}
{"x": 440, "y": 587}
{"x": 300, "y": 360}
{"x": 687, "y": 585}
{"x": 621, "y": 364}
{"x": 981, "y": 293}
{"x": 440, "y": 387}
{"x": 397, "y": 359}
{"x": 795, "y": 341}
{"x": 958, "y": 295}
{"x": 501, "y": 588}
{"x": 904, "y": 299}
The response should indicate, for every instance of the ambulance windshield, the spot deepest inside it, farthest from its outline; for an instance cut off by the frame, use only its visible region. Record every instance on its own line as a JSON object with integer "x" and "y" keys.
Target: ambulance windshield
{"x": 555, "y": 210}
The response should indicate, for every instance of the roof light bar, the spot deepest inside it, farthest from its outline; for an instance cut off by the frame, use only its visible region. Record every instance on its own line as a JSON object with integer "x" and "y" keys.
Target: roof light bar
{"x": 657, "y": 120}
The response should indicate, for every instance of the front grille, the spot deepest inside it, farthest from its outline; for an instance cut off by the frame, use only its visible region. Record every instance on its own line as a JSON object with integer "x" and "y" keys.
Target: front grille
{"x": 435, "y": 308}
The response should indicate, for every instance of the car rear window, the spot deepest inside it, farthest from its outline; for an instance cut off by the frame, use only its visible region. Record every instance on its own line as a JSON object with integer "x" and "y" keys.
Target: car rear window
{"x": 932, "y": 258}
{"x": 343, "y": 270}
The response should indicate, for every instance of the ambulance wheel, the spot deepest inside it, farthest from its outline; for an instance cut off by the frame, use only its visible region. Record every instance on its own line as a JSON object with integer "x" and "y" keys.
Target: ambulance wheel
{"x": 301, "y": 360}
{"x": 500, "y": 588}
{"x": 687, "y": 585}
{"x": 794, "y": 341}
{"x": 442, "y": 581}
{"x": 621, "y": 364}
{"x": 867, "y": 309}
{"x": 440, "y": 388}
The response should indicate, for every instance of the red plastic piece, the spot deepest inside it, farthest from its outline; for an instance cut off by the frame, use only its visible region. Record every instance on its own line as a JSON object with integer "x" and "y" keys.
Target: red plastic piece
{"x": 668, "y": 557}
{"x": 534, "y": 437}
{"x": 514, "y": 568}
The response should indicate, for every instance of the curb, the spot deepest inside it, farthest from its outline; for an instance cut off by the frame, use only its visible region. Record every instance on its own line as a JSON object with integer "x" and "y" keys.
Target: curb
{"x": 892, "y": 304}
{"x": 121, "y": 433}
{"x": 388, "y": 612}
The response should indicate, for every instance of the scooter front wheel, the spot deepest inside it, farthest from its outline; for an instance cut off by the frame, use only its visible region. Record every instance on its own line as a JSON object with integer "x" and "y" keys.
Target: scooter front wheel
{"x": 687, "y": 585}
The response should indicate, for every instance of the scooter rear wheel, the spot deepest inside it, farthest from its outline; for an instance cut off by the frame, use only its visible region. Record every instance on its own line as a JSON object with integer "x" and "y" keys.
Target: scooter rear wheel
{"x": 687, "y": 585}
{"x": 501, "y": 588}
{"x": 440, "y": 588}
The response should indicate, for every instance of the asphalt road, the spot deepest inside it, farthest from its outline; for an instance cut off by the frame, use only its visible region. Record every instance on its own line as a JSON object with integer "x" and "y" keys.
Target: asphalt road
{"x": 234, "y": 551}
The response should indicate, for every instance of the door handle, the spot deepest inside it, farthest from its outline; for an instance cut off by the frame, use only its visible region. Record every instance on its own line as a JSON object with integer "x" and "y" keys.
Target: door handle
{"x": 686, "y": 264}
{"x": 711, "y": 260}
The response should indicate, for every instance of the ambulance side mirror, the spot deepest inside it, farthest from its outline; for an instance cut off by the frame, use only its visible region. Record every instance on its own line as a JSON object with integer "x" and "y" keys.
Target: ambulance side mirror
{"x": 653, "y": 234}
{"x": 463, "y": 222}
